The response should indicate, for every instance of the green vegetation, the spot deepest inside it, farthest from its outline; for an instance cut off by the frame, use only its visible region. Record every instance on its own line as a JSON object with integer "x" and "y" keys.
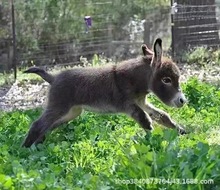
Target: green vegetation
{"x": 203, "y": 56}
{"x": 111, "y": 151}
{"x": 7, "y": 79}
{"x": 52, "y": 21}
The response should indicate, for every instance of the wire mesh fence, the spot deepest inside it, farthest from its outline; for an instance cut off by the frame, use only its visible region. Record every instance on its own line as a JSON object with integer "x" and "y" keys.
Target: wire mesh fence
{"x": 195, "y": 23}
{"x": 62, "y": 33}
{"x": 46, "y": 36}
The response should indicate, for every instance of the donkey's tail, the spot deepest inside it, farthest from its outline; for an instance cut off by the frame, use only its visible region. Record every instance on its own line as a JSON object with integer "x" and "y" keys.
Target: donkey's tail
{"x": 45, "y": 75}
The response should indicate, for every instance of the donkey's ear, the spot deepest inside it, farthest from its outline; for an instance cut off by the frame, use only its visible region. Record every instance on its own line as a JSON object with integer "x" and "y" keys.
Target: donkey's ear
{"x": 158, "y": 50}
{"x": 146, "y": 51}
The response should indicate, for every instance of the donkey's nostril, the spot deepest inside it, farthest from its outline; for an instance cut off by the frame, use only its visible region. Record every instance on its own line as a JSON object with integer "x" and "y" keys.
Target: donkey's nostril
{"x": 181, "y": 100}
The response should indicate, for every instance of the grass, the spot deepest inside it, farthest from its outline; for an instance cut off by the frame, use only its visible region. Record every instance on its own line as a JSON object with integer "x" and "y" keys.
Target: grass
{"x": 112, "y": 152}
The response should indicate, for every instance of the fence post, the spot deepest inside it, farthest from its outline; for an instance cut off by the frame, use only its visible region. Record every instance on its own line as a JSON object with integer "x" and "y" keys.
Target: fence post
{"x": 147, "y": 26}
{"x": 110, "y": 38}
{"x": 14, "y": 40}
{"x": 172, "y": 30}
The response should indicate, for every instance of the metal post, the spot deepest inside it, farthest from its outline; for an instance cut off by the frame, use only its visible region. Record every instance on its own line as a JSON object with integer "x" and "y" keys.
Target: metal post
{"x": 147, "y": 26}
{"x": 172, "y": 30}
{"x": 14, "y": 40}
{"x": 110, "y": 38}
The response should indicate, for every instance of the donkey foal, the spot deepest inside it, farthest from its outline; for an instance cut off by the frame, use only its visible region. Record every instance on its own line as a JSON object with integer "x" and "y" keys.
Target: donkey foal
{"x": 111, "y": 88}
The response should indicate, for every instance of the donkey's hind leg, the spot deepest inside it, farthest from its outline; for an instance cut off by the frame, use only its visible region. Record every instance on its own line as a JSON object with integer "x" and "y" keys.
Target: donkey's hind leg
{"x": 74, "y": 112}
{"x": 40, "y": 126}
{"x": 49, "y": 120}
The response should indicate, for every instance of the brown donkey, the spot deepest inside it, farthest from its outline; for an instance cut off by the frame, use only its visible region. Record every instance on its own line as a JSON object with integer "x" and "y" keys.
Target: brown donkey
{"x": 111, "y": 88}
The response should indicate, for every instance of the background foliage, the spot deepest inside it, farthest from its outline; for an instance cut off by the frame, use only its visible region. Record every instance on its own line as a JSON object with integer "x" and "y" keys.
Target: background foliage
{"x": 36, "y": 20}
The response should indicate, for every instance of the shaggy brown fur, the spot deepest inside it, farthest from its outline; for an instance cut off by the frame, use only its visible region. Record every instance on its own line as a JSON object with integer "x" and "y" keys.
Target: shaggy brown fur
{"x": 111, "y": 88}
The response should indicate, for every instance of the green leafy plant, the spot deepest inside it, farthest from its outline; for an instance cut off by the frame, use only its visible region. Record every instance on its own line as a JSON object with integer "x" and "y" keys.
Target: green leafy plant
{"x": 112, "y": 152}
{"x": 202, "y": 56}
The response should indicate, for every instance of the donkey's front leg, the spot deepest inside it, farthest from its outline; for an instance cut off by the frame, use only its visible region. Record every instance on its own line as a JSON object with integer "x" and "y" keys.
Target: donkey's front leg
{"x": 140, "y": 116}
{"x": 159, "y": 116}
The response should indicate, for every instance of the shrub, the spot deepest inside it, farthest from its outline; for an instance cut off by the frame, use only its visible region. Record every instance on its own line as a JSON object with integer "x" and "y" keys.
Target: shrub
{"x": 202, "y": 56}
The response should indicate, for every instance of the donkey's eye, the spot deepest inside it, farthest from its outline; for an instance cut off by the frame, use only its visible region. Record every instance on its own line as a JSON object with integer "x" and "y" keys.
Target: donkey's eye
{"x": 166, "y": 80}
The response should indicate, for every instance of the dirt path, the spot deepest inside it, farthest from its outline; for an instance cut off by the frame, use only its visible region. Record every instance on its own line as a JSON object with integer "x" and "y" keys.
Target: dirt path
{"x": 23, "y": 95}
{"x": 4, "y": 90}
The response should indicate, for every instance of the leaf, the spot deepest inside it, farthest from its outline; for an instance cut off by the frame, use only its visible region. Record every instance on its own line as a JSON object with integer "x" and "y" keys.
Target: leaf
{"x": 149, "y": 156}
{"x": 8, "y": 183}
{"x": 170, "y": 135}
{"x": 203, "y": 147}
{"x": 5, "y": 181}
{"x": 141, "y": 148}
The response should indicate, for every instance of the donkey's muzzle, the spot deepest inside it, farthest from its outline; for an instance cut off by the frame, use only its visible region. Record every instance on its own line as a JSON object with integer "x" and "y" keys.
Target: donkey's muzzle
{"x": 179, "y": 100}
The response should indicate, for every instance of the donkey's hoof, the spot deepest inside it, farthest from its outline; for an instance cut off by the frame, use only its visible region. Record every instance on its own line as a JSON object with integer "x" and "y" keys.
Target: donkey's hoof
{"x": 27, "y": 143}
{"x": 182, "y": 131}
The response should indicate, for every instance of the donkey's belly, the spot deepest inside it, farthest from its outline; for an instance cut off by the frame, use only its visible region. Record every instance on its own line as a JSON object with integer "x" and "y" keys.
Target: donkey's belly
{"x": 101, "y": 108}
